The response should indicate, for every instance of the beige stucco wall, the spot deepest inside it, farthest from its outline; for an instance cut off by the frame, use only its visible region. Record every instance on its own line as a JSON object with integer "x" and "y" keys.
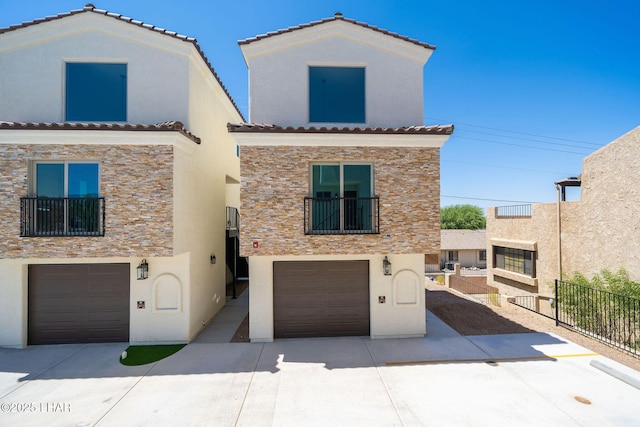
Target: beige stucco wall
{"x": 35, "y": 57}
{"x": 206, "y": 181}
{"x": 275, "y": 181}
{"x": 386, "y": 320}
{"x": 599, "y": 231}
{"x": 393, "y": 73}
{"x": 522, "y": 233}
{"x": 610, "y": 218}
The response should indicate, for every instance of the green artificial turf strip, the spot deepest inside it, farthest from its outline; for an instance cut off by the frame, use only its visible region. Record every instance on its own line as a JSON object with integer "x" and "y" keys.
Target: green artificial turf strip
{"x": 143, "y": 354}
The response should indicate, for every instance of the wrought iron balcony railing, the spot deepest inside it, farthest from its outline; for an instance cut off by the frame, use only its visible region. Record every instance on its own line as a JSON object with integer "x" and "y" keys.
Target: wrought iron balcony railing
{"x": 233, "y": 221}
{"x": 342, "y": 215}
{"x": 44, "y": 217}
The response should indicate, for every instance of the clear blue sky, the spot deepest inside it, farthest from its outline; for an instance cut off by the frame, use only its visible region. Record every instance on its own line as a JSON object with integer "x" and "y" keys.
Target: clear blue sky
{"x": 532, "y": 87}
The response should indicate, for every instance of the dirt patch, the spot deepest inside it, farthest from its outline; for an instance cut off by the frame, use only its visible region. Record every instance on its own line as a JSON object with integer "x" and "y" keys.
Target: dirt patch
{"x": 242, "y": 333}
{"x": 470, "y": 317}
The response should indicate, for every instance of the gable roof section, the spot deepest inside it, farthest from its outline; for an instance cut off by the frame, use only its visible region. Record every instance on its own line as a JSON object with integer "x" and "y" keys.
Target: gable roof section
{"x": 174, "y": 126}
{"x": 337, "y": 17}
{"x": 90, "y": 8}
{"x": 455, "y": 240}
{"x": 411, "y": 130}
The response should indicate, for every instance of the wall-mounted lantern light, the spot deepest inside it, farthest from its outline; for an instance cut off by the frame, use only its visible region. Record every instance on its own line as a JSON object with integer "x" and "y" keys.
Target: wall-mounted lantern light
{"x": 386, "y": 266}
{"x": 213, "y": 259}
{"x": 143, "y": 270}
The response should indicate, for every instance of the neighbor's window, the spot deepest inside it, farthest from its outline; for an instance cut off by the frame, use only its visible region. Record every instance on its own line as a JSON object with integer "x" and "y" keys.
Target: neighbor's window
{"x": 482, "y": 255}
{"x": 453, "y": 256}
{"x": 96, "y": 92}
{"x": 516, "y": 260}
{"x": 336, "y": 94}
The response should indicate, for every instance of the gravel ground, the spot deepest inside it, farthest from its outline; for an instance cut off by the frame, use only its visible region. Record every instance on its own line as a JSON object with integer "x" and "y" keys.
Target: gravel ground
{"x": 469, "y": 317}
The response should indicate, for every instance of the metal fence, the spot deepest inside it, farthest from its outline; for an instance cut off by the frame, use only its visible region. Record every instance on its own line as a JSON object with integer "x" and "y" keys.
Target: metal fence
{"x": 515, "y": 211}
{"x": 608, "y": 317}
{"x": 483, "y": 293}
{"x": 536, "y": 303}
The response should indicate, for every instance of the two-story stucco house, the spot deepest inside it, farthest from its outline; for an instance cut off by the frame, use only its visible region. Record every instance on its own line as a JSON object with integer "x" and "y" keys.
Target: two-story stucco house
{"x": 115, "y": 165}
{"x": 531, "y": 246}
{"x": 340, "y": 181}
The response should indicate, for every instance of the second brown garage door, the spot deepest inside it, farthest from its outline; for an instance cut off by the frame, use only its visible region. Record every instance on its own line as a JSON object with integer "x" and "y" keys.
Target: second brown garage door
{"x": 78, "y": 303}
{"x": 320, "y": 298}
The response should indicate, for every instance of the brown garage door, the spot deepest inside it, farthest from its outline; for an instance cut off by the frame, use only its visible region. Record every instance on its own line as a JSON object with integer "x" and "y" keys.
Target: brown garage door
{"x": 78, "y": 303}
{"x": 320, "y": 298}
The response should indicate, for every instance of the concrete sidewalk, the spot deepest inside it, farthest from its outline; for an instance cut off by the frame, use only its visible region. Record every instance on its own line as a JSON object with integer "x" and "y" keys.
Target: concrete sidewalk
{"x": 443, "y": 379}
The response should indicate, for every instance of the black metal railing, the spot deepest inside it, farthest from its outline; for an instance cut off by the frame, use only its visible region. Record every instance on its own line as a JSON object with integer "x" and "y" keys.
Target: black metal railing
{"x": 342, "y": 215}
{"x": 233, "y": 219}
{"x": 608, "y": 317}
{"x": 543, "y": 305}
{"x": 42, "y": 217}
{"x": 515, "y": 211}
{"x": 483, "y": 293}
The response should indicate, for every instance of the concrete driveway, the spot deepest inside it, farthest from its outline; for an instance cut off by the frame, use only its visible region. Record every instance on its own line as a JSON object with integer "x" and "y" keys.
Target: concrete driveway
{"x": 444, "y": 379}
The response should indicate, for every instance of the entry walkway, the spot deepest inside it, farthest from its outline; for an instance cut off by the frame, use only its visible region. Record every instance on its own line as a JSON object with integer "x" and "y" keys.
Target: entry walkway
{"x": 224, "y": 325}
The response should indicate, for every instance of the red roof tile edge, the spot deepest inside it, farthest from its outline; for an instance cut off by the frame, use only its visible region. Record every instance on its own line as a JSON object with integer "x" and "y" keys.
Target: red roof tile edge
{"x": 91, "y": 8}
{"x": 337, "y": 17}
{"x": 411, "y": 130}
{"x": 175, "y": 126}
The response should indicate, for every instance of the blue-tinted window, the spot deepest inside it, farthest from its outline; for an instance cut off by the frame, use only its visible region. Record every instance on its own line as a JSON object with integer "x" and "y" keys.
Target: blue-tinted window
{"x": 96, "y": 92}
{"x": 336, "y": 94}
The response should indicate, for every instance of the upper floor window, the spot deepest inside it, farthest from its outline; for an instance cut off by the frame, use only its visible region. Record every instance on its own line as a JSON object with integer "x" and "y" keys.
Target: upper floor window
{"x": 336, "y": 94}
{"x": 64, "y": 200}
{"x": 96, "y": 92}
{"x": 342, "y": 200}
{"x": 516, "y": 260}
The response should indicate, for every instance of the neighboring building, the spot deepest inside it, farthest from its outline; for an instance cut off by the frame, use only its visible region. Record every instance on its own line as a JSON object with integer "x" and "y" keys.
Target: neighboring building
{"x": 338, "y": 175}
{"x": 113, "y": 150}
{"x": 465, "y": 247}
{"x": 599, "y": 231}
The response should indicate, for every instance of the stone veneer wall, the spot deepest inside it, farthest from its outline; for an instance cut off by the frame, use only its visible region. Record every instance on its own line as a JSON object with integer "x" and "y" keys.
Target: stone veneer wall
{"x": 276, "y": 179}
{"x": 136, "y": 181}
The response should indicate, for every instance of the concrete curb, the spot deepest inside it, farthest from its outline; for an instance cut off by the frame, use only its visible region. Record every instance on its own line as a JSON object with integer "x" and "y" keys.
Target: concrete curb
{"x": 633, "y": 382}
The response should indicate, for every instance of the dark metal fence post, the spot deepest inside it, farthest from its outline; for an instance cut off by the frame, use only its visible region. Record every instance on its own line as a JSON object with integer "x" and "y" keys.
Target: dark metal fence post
{"x": 557, "y": 302}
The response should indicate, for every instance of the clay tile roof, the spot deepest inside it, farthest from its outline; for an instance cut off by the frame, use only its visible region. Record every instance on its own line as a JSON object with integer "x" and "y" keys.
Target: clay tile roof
{"x": 173, "y": 126}
{"x": 411, "y": 130}
{"x": 337, "y": 17}
{"x": 92, "y": 9}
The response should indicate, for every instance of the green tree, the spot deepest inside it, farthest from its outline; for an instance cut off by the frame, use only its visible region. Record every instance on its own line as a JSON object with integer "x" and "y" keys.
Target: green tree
{"x": 462, "y": 217}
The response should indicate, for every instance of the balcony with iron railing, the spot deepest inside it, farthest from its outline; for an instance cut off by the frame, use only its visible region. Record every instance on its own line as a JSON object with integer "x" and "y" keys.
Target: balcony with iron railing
{"x": 56, "y": 217}
{"x": 341, "y": 215}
